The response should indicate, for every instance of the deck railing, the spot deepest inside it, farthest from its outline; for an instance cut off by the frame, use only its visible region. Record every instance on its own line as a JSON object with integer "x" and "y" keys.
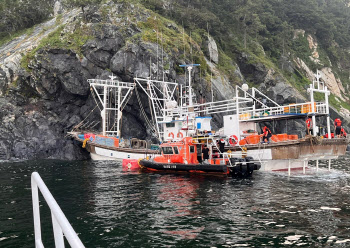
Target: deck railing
{"x": 60, "y": 224}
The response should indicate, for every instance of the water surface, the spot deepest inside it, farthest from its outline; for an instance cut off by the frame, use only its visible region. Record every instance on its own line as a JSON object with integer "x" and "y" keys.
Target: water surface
{"x": 111, "y": 208}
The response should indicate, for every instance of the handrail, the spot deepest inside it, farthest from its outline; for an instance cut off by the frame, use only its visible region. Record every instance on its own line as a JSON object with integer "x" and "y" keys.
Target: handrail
{"x": 59, "y": 221}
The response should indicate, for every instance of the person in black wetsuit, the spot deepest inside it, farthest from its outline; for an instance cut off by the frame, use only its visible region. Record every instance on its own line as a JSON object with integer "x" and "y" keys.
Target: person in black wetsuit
{"x": 221, "y": 144}
{"x": 205, "y": 154}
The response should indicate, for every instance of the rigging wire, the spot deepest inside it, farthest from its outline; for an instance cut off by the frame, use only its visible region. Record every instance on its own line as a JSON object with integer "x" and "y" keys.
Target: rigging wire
{"x": 153, "y": 129}
{"x": 82, "y": 122}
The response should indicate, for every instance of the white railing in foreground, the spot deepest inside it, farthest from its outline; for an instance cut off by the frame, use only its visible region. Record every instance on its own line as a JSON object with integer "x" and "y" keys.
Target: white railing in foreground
{"x": 59, "y": 221}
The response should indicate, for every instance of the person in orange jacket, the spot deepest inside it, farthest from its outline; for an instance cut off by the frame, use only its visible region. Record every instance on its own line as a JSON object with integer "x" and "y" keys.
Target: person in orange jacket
{"x": 308, "y": 126}
{"x": 337, "y": 127}
{"x": 266, "y": 135}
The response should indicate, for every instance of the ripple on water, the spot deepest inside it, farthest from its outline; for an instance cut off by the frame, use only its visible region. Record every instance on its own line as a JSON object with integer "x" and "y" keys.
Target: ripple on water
{"x": 112, "y": 208}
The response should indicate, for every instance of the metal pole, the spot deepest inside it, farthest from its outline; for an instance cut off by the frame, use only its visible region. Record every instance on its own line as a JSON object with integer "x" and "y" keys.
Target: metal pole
{"x": 237, "y": 111}
{"x": 58, "y": 234}
{"x": 288, "y": 167}
{"x": 36, "y": 213}
{"x": 103, "y": 112}
{"x": 304, "y": 167}
{"x": 317, "y": 165}
{"x": 329, "y": 165}
{"x": 253, "y": 94}
{"x": 313, "y": 110}
{"x": 119, "y": 114}
{"x": 190, "y": 103}
{"x": 56, "y": 211}
{"x": 327, "y": 111}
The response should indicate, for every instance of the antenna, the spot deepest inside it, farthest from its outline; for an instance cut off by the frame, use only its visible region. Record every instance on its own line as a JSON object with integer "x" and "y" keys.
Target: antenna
{"x": 157, "y": 56}
{"x": 211, "y": 73}
{"x": 162, "y": 53}
{"x": 189, "y": 68}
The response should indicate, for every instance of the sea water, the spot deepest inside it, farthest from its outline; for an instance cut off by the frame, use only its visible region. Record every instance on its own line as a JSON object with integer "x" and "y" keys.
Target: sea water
{"x": 111, "y": 208}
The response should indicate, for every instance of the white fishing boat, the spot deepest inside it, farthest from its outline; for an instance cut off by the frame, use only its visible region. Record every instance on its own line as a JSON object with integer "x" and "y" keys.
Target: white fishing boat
{"x": 245, "y": 111}
{"x": 112, "y": 95}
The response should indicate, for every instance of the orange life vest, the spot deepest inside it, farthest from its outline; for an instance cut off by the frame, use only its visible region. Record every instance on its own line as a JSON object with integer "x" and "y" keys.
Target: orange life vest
{"x": 337, "y": 122}
{"x": 308, "y": 123}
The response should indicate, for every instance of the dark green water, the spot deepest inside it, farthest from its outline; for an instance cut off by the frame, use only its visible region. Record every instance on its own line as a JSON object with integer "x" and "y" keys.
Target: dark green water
{"x": 111, "y": 208}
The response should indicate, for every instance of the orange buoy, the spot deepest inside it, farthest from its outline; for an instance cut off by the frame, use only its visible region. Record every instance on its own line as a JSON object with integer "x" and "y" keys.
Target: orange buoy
{"x": 293, "y": 137}
{"x": 130, "y": 165}
{"x": 233, "y": 140}
{"x": 274, "y": 138}
{"x": 282, "y": 137}
{"x": 242, "y": 142}
{"x": 253, "y": 139}
{"x": 171, "y": 135}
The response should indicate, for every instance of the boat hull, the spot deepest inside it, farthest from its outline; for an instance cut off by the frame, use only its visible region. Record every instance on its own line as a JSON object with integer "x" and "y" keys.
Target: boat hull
{"x": 183, "y": 167}
{"x": 295, "y": 154}
{"x": 238, "y": 169}
{"x": 103, "y": 152}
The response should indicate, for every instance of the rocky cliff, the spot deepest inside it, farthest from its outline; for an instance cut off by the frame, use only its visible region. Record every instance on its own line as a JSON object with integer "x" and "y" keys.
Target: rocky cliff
{"x": 43, "y": 85}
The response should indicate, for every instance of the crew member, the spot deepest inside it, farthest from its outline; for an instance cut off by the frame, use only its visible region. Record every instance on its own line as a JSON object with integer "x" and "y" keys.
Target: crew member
{"x": 205, "y": 154}
{"x": 266, "y": 135}
{"x": 221, "y": 144}
{"x": 337, "y": 127}
{"x": 343, "y": 133}
{"x": 308, "y": 126}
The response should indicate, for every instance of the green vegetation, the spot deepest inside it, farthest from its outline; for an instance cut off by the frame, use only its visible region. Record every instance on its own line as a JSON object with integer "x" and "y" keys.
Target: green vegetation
{"x": 19, "y": 15}
{"x": 338, "y": 103}
{"x": 58, "y": 39}
{"x": 240, "y": 26}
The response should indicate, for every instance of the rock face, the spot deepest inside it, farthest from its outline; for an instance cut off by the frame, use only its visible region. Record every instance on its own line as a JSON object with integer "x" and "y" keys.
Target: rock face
{"x": 333, "y": 84}
{"x": 213, "y": 50}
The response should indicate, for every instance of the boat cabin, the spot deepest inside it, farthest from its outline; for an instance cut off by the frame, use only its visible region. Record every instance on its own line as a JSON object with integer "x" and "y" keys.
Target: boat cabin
{"x": 184, "y": 152}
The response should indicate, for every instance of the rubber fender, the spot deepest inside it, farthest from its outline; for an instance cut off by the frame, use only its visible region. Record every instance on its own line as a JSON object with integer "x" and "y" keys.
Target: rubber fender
{"x": 248, "y": 159}
{"x": 234, "y": 160}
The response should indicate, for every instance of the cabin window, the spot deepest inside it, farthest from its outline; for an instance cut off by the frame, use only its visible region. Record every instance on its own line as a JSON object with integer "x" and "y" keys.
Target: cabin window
{"x": 176, "y": 150}
{"x": 171, "y": 124}
{"x": 167, "y": 150}
{"x": 191, "y": 149}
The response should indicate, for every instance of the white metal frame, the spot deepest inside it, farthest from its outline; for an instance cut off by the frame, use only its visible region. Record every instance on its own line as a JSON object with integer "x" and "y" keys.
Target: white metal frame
{"x": 122, "y": 90}
{"x": 60, "y": 224}
{"x": 159, "y": 93}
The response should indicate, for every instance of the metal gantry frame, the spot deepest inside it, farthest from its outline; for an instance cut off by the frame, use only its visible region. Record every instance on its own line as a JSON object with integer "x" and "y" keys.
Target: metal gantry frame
{"x": 110, "y": 88}
{"x": 162, "y": 96}
{"x": 61, "y": 226}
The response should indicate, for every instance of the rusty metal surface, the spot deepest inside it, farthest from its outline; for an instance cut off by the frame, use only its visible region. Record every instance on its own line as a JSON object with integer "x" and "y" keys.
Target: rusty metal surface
{"x": 304, "y": 148}
{"x": 285, "y": 152}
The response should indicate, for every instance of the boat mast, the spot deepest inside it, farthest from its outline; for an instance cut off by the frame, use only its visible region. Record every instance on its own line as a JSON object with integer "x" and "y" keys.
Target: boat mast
{"x": 105, "y": 88}
{"x": 190, "y": 94}
{"x": 318, "y": 86}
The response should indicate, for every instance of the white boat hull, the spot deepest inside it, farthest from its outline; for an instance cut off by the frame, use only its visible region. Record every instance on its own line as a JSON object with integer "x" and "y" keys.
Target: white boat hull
{"x": 107, "y": 154}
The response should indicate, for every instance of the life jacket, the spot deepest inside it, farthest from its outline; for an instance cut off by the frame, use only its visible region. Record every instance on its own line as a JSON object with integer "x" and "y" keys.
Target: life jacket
{"x": 342, "y": 132}
{"x": 326, "y": 135}
{"x": 266, "y": 131}
{"x": 308, "y": 122}
{"x": 337, "y": 122}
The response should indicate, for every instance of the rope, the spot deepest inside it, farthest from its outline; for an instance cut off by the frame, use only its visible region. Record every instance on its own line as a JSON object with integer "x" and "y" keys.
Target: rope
{"x": 93, "y": 96}
{"x": 149, "y": 124}
{"x": 81, "y": 123}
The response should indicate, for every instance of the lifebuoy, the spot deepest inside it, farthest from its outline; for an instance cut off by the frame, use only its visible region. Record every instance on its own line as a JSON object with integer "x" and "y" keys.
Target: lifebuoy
{"x": 180, "y": 135}
{"x": 171, "y": 135}
{"x": 233, "y": 140}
